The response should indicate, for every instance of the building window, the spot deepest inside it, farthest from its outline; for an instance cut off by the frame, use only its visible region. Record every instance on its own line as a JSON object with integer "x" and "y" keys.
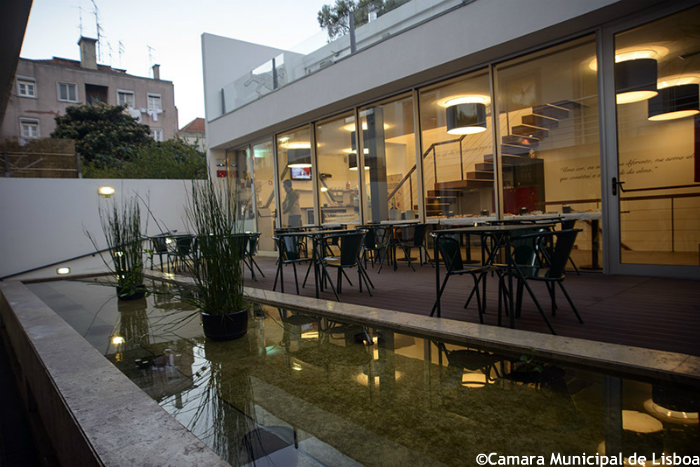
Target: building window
{"x": 157, "y": 134}
{"x": 154, "y": 102}
{"x": 67, "y": 92}
{"x": 29, "y": 127}
{"x": 295, "y": 167}
{"x": 26, "y": 87}
{"x": 125, "y": 98}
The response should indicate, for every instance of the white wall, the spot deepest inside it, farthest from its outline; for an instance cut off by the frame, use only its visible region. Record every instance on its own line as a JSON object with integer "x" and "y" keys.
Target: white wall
{"x": 43, "y": 220}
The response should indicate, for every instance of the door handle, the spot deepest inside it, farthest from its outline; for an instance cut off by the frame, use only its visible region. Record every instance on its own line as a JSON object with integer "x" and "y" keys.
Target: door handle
{"x": 615, "y": 184}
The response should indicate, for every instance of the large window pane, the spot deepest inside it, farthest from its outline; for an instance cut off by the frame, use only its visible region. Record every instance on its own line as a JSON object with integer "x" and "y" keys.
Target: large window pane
{"x": 458, "y": 152}
{"x": 547, "y": 108}
{"x": 241, "y": 185}
{"x": 657, "y": 72}
{"x": 296, "y": 186}
{"x": 390, "y": 160}
{"x": 263, "y": 162}
{"x": 337, "y": 170}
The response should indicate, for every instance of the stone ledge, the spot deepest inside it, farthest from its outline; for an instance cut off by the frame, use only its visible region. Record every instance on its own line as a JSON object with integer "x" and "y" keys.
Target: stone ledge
{"x": 93, "y": 413}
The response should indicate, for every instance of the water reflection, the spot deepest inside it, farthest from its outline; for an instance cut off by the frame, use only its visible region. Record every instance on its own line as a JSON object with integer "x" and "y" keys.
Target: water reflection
{"x": 307, "y": 390}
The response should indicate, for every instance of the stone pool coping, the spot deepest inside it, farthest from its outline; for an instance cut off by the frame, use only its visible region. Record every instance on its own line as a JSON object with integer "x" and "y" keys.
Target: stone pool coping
{"x": 615, "y": 359}
{"x": 91, "y": 412}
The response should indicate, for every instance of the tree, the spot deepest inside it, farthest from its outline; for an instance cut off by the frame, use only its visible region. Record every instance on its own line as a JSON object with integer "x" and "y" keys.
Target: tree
{"x": 173, "y": 159}
{"x": 334, "y": 19}
{"x": 105, "y": 136}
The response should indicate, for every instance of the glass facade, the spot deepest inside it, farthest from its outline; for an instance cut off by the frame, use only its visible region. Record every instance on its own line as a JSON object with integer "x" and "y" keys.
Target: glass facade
{"x": 657, "y": 72}
{"x": 519, "y": 139}
{"x": 457, "y": 155}
{"x": 338, "y": 172}
{"x": 264, "y": 192}
{"x": 295, "y": 164}
{"x": 389, "y": 153}
{"x": 548, "y": 136}
{"x": 240, "y": 180}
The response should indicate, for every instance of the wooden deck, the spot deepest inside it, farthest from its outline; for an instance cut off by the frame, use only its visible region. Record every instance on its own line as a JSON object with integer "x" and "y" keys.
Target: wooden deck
{"x": 654, "y": 313}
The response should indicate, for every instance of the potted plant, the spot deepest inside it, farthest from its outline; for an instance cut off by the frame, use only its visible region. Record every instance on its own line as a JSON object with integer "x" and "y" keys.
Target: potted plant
{"x": 121, "y": 225}
{"x": 217, "y": 274}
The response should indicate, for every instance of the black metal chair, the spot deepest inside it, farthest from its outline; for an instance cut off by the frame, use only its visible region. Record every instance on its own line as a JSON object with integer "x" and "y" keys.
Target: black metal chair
{"x": 290, "y": 252}
{"x": 569, "y": 224}
{"x": 412, "y": 236}
{"x": 350, "y": 245}
{"x": 535, "y": 260}
{"x": 377, "y": 240}
{"x": 251, "y": 247}
{"x": 180, "y": 253}
{"x": 451, "y": 253}
{"x": 159, "y": 247}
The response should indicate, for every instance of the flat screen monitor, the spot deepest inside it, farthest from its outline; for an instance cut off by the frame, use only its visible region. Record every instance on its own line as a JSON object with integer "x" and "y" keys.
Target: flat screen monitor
{"x": 301, "y": 173}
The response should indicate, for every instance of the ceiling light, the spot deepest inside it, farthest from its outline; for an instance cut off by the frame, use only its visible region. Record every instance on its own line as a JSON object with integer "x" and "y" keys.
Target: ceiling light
{"x": 470, "y": 99}
{"x": 466, "y": 119}
{"x": 299, "y": 158}
{"x": 634, "y": 53}
{"x": 675, "y": 102}
{"x": 63, "y": 271}
{"x": 635, "y": 80}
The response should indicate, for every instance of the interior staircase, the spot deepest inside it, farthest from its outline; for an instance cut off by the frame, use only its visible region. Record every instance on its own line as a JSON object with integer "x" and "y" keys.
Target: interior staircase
{"x": 515, "y": 149}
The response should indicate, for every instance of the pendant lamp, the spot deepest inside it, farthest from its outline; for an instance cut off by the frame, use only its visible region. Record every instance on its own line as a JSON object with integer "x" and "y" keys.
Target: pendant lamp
{"x": 675, "y": 102}
{"x": 298, "y": 158}
{"x": 635, "y": 80}
{"x": 466, "y": 119}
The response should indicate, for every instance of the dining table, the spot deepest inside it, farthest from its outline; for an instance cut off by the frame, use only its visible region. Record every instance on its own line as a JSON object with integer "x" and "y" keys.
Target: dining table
{"x": 316, "y": 237}
{"x": 501, "y": 236}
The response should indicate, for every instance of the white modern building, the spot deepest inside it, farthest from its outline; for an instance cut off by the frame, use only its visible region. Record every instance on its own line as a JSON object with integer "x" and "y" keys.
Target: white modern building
{"x": 477, "y": 109}
{"x": 43, "y": 89}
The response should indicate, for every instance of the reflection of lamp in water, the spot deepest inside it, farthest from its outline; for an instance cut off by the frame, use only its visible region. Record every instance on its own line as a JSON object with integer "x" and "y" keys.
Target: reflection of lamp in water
{"x": 675, "y": 102}
{"x": 298, "y": 158}
{"x": 635, "y": 80}
{"x": 674, "y": 405}
{"x": 641, "y": 434}
{"x": 117, "y": 340}
{"x": 466, "y": 119}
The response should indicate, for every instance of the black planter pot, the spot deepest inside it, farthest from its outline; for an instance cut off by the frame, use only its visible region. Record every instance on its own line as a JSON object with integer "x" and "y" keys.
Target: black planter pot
{"x": 131, "y": 293}
{"x": 225, "y": 327}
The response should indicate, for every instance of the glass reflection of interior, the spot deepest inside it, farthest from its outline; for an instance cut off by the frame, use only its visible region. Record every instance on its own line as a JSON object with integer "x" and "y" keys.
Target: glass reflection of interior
{"x": 241, "y": 186}
{"x": 658, "y": 141}
{"x": 388, "y": 142}
{"x": 295, "y": 178}
{"x": 547, "y": 107}
{"x": 337, "y": 170}
{"x": 263, "y": 162}
{"x": 457, "y": 149}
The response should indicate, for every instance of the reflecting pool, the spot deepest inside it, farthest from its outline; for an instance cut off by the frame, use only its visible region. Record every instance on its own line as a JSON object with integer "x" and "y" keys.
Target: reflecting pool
{"x": 308, "y": 391}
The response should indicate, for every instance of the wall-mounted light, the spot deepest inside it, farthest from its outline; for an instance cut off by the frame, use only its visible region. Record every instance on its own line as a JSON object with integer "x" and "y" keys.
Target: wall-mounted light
{"x": 63, "y": 270}
{"x": 324, "y": 189}
{"x": 298, "y": 158}
{"x": 117, "y": 340}
{"x": 466, "y": 119}
{"x": 675, "y": 102}
{"x": 635, "y": 80}
{"x": 105, "y": 191}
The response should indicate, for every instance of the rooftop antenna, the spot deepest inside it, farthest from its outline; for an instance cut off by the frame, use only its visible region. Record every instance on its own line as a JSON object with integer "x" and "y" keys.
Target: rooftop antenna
{"x": 80, "y": 24}
{"x": 96, "y": 12}
{"x": 121, "y": 51}
{"x": 109, "y": 46}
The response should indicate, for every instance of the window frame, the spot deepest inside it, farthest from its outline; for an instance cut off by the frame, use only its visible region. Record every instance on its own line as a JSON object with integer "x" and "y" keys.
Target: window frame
{"x": 32, "y": 122}
{"x": 157, "y": 133}
{"x": 126, "y": 92}
{"x": 26, "y": 80}
{"x": 149, "y": 96}
{"x": 68, "y": 84}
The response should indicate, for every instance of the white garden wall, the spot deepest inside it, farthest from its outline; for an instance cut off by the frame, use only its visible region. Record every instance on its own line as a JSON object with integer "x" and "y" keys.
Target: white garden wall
{"x": 43, "y": 221}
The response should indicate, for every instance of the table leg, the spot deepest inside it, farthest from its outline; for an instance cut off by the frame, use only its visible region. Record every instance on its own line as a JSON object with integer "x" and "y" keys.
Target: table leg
{"x": 509, "y": 262}
{"x": 437, "y": 273}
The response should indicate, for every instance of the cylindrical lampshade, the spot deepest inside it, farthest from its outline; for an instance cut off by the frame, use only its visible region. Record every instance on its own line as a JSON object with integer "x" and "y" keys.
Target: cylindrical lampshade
{"x": 352, "y": 161}
{"x": 635, "y": 80}
{"x": 466, "y": 119}
{"x": 675, "y": 102}
{"x": 299, "y": 158}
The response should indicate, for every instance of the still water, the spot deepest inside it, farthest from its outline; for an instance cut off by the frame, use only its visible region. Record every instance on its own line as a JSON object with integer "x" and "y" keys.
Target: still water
{"x": 307, "y": 391}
